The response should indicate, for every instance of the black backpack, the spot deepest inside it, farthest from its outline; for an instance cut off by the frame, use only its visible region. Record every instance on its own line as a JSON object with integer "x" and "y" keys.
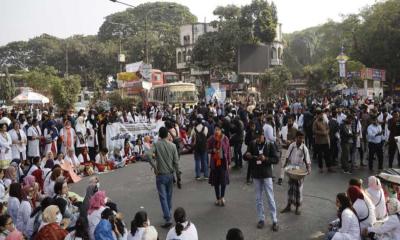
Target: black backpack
{"x": 201, "y": 141}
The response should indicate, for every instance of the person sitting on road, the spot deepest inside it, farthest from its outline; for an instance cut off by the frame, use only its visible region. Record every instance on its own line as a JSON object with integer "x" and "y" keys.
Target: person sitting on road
{"x": 102, "y": 161}
{"x": 116, "y": 158}
{"x": 138, "y": 150}
{"x": 377, "y": 196}
{"x": 391, "y": 227}
{"x": 361, "y": 204}
{"x": 139, "y": 225}
{"x": 346, "y": 226}
{"x": 127, "y": 153}
{"x": 184, "y": 229}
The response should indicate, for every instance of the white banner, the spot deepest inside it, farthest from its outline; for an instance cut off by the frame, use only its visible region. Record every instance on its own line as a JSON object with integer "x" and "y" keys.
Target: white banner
{"x": 116, "y": 133}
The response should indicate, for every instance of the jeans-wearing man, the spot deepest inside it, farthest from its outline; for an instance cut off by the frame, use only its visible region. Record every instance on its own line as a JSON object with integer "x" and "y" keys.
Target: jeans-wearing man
{"x": 199, "y": 136}
{"x": 163, "y": 157}
{"x": 374, "y": 134}
{"x": 261, "y": 156}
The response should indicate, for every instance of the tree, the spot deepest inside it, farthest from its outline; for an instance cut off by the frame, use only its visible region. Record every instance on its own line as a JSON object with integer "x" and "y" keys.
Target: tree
{"x": 275, "y": 81}
{"x": 65, "y": 91}
{"x": 163, "y": 23}
{"x": 7, "y": 88}
{"x": 41, "y": 78}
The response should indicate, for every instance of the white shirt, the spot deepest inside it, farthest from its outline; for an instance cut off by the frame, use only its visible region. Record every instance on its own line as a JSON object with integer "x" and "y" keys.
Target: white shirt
{"x": 269, "y": 133}
{"x": 138, "y": 234}
{"x": 16, "y": 149}
{"x": 372, "y": 131}
{"x": 378, "y": 200}
{"x": 94, "y": 219}
{"x": 187, "y": 234}
{"x": 33, "y": 145}
{"x": 72, "y": 160}
{"x": 23, "y": 216}
{"x": 2, "y": 191}
{"x": 340, "y": 118}
{"x": 298, "y": 155}
{"x": 32, "y": 169}
{"x": 12, "y": 209}
{"x": 5, "y": 147}
{"x": 390, "y": 227}
{"x": 363, "y": 210}
{"x": 350, "y": 229}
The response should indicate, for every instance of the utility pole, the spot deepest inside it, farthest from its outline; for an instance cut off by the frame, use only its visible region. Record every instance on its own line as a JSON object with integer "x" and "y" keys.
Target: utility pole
{"x": 66, "y": 60}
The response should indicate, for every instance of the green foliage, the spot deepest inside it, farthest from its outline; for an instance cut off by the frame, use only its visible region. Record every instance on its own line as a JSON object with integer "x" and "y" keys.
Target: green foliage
{"x": 218, "y": 50}
{"x": 7, "y": 87}
{"x": 275, "y": 81}
{"x": 65, "y": 91}
{"x": 163, "y": 23}
{"x": 116, "y": 100}
{"x": 41, "y": 78}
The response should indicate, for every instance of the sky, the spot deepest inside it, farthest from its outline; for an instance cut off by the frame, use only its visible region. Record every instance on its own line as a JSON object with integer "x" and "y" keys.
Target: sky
{"x": 25, "y": 19}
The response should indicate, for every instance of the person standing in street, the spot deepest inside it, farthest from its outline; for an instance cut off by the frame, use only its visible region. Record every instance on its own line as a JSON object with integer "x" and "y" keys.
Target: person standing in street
{"x": 261, "y": 156}
{"x": 34, "y": 134}
{"x": 297, "y": 155}
{"x": 237, "y": 141}
{"x": 199, "y": 138}
{"x": 220, "y": 161}
{"x": 394, "y": 131}
{"x": 375, "y": 146}
{"x": 250, "y": 136}
{"x": 321, "y": 145}
{"x": 288, "y": 135}
{"x": 163, "y": 157}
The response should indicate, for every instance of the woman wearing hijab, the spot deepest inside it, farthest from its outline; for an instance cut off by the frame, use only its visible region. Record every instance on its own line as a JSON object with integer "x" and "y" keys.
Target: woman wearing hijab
{"x": 220, "y": 161}
{"x": 51, "y": 135}
{"x": 377, "y": 196}
{"x": 391, "y": 227}
{"x": 97, "y": 204}
{"x": 5, "y": 146}
{"x": 51, "y": 229}
{"x": 25, "y": 209}
{"x": 69, "y": 210}
{"x": 347, "y": 223}
{"x": 104, "y": 229}
{"x": 184, "y": 229}
{"x": 81, "y": 133}
{"x": 365, "y": 211}
{"x": 35, "y": 219}
{"x": 93, "y": 187}
{"x": 10, "y": 176}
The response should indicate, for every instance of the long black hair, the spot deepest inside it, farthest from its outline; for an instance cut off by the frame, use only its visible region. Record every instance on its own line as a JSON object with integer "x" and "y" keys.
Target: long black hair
{"x": 139, "y": 220}
{"x": 345, "y": 203}
{"x": 180, "y": 218}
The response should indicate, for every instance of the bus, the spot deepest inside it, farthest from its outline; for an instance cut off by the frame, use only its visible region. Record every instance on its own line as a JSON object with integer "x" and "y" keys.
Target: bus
{"x": 174, "y": 94}
{"x": 170, "y": 77}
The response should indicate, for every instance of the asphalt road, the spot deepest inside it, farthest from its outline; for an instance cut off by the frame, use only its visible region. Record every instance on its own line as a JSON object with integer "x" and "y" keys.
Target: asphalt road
{"x": 133, "y": 188}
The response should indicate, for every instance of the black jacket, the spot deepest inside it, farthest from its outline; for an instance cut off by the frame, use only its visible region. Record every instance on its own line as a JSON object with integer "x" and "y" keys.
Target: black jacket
{"x": 263, "y": 170}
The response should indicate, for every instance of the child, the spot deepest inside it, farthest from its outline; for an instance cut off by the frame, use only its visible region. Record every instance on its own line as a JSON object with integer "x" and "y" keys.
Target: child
{"x": 127, "y": 154}
{"x": 138, "y": 150}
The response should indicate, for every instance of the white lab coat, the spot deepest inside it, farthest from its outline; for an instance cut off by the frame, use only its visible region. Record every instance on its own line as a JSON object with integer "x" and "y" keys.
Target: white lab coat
{"x": 33, "y": 145}
{"x": 92, "y": 138}
{"x": 188, "y": 234}
{"x": 17, "y": 149}
{"x": 378, "y": 200}
{"x": 64, "y": 135}
{"x": 47, "y": 135}
{"x": 390, "y": 228}
{"x": 23, "y": 216}
{"x": 5, "y": 147}
{"x": 364, "y": 209}
{"x": 350, "y": 229}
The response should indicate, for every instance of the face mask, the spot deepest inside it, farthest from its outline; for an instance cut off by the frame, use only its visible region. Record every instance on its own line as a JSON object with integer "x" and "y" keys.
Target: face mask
{"x": 92, "y": 117}
{"x": 98, "y": 185}
{"x": 59, "y": 218}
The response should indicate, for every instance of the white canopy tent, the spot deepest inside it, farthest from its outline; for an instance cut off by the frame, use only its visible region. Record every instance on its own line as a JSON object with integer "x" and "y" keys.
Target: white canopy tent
{"x": 29, "y": 97}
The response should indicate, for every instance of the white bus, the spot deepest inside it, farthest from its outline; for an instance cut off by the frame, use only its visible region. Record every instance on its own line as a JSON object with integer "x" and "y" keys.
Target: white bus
{"x": 174, "y": 94}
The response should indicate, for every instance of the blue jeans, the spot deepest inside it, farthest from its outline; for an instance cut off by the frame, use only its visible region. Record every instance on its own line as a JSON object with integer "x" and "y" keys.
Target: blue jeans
{"x": 164, "y": 188}
{"x": 265, "y": 184}
{"x": 201, "y": 163}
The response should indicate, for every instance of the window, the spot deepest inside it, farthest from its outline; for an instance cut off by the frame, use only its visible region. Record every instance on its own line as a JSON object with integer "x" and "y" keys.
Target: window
{"x": 179, "y": 57}
{"x": 186, "y": 40}
{"x": 273, "y": 53}
{"x": 280, "y": 53}
{"x": 184, "y": 56}
{"x": 370, "y": 84}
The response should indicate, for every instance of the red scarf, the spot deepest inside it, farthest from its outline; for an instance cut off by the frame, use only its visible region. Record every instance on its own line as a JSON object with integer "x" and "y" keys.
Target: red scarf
{"x": 216, "y": 157}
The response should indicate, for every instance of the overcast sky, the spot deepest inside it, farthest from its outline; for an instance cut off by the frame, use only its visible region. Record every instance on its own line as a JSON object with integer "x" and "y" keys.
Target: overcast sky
{"x": 24, "y": 19}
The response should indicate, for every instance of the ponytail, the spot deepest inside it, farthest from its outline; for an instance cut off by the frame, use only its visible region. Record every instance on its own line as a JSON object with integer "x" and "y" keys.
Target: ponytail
{"x": 180, "y": 218}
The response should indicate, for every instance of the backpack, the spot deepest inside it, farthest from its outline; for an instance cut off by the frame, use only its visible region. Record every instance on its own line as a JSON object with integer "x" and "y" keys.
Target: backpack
{"x": 201, "y": 141}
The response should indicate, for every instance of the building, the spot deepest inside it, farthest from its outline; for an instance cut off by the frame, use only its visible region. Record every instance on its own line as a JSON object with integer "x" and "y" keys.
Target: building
{"x": 188, "y": 37}
{"x": 277, "y": 47}
{"x": 297, "y": 87}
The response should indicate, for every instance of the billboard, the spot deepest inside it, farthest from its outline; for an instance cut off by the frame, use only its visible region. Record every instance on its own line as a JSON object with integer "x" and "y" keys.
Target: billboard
{"x": 253, "y": 59}
{"x": 373, "y": 74}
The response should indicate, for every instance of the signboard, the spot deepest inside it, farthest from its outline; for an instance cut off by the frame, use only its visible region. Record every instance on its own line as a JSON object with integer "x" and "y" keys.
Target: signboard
{"x": 214, "y": 92}
{"x": 133, "y": 67}
{"x": 373, "y": 74}
{"x": 121, "y": 58}
{"x": 342, "y": 68}
{"x": 127, "y": 76}
{"x": 145, "y": 70}
{"x": 116, "y": 133}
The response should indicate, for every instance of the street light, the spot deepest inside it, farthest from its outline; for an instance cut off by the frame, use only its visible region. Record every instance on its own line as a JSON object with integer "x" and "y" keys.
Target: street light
{"x": 126, "y": 4}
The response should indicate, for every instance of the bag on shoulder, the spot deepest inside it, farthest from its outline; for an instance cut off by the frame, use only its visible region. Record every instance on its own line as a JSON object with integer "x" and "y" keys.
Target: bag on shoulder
{"x": 201, "y": 141}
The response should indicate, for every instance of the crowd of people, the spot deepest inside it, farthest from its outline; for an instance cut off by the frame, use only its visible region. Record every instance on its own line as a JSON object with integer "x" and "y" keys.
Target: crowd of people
{"x": 41, "y": 152}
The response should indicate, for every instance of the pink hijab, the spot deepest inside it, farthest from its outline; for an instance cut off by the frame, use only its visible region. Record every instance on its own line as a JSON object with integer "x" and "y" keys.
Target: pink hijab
{"x": 97, "y": 201}
{"x": 29, "y": 181}
{"x": 15, "y": 235}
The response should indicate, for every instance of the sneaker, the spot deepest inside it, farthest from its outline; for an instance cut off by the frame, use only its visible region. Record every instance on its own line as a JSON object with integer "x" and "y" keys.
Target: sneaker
{"x": 286, "y": 210}
{"x": 166, "y": 225}
{"x": 198, "y": 178}
{"x": 205, "y": 178}
{"x": 275, "y": 227}
{"x": 260, "y": 224}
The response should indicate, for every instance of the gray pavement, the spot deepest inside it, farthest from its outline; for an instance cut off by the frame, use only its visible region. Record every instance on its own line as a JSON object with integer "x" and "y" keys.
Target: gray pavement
{"x": 134, "y": 187}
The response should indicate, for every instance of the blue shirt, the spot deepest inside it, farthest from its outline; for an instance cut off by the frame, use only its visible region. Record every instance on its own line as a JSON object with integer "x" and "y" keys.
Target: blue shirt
{"x": 374, "y": 133}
